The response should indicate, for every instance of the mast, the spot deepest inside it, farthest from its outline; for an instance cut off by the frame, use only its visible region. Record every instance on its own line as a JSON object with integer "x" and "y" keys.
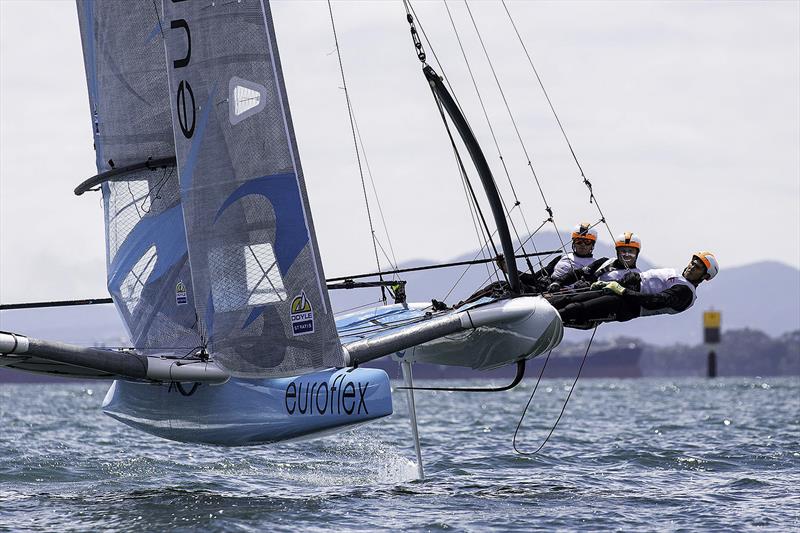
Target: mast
{"x": 479, "y": 160}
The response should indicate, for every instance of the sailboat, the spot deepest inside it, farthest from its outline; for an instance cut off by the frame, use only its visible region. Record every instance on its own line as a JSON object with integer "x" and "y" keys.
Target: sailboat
{"x": 211, "y": 254}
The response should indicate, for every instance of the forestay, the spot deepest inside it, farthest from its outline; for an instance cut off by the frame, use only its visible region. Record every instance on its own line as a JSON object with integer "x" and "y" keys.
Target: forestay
{"x": 147, "y": 263}
{"x": 261, "y": 297}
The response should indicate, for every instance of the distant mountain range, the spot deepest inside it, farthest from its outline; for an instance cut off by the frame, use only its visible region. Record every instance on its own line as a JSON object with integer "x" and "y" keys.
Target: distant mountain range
{"x": 763, "y": 296}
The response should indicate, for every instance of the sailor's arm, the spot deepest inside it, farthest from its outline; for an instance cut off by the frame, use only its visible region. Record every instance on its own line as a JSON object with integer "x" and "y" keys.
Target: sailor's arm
{"x": 589, "y": 272}
{"x": 677, "y": 297}
{"x": 527, "y": 278}
{"x": 573, "y": 275}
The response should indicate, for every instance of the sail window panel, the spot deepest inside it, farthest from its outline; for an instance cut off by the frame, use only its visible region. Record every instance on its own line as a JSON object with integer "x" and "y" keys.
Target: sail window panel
{"x": 134, "y": 282}
{"x": 128, "y": 203}
{"x": 264, "y": 282}
{"x": 245, "y": 276}
{"x": 244, "y": 99}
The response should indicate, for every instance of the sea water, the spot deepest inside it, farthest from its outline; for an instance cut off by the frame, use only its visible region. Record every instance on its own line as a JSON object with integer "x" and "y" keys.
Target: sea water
{"x": 653, "y": 454}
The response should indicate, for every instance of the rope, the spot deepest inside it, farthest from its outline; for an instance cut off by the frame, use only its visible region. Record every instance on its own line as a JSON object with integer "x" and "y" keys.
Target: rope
{"x": 481, "y": 242}
{"x": 494, "y": 138}
{"x": 548, "y": 208}
{"x": 488, "y": 121}
{"x": 355, "y": 145}
{"x": 592, "y": 197}
{"x": 393, "y": 260}
{"x": 472, "y": 203}
{"x": 563, "y": 408}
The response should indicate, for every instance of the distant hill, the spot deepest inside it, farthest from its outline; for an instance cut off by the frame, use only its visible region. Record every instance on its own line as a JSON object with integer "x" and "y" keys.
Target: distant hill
{"x": 763, "y": 296}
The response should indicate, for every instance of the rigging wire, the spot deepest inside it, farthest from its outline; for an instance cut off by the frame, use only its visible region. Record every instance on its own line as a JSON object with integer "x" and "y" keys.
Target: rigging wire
{"x": 547, "y": 206}
{"x": 355, "y": 145}
{"x": 563, "y": 408}
{"x": 472, "y": 200}
{"x": 464, "y": 173}
{"x": 592, "y": 197}
{"x": 393, "y": 260}
{"x": 440, "y": 67}
{"x": 491, "y": 130}
{"x": 482, "y": 243}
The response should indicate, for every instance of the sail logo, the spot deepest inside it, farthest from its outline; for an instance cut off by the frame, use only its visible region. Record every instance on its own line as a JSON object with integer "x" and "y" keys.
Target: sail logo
{"x": 302, "y": 315}
{"x": 184, "y": 97}
{"x": 181, "y": 297}
{"x": 310, "y": 398}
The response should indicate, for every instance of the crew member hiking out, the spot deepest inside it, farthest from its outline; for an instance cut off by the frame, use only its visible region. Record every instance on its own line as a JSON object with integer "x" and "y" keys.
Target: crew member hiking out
{"x": 566, "y": 269}
{"x": 584, "y": 237}
{"x": 622, "y": 269}
{"x": 663, "y": 291}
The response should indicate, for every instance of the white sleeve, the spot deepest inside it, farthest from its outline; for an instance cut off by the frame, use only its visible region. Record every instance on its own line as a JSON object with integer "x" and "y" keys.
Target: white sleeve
{"x": 563, "y": 267}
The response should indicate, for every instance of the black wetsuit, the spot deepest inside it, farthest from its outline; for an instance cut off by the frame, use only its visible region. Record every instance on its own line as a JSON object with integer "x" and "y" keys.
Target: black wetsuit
{"x": 584, "y": 309}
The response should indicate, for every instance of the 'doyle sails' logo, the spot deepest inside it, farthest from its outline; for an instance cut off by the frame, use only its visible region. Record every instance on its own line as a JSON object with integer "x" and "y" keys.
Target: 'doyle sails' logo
{"x": 181, "y": 298}
{"x": 302, "y": 315}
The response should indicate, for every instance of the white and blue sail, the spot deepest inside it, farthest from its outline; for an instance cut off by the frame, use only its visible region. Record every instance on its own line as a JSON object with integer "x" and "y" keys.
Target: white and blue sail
{"x": 257, "y": 278}
{"x": 149, "y": 275}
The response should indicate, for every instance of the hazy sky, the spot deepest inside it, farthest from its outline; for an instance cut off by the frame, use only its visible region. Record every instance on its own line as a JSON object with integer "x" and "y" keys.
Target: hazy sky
{"x": 684, "y": 115}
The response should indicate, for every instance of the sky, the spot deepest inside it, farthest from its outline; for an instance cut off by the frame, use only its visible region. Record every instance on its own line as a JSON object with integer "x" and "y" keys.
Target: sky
{"x": 685, "y": 116}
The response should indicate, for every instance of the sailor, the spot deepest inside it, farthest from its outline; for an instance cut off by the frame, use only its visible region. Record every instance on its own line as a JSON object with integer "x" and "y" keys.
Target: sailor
{"x": 628, "y": 245}
{"x": 622, "y": 269}
{"x": 663, "y": 291}
{"x": 565, "y": 273}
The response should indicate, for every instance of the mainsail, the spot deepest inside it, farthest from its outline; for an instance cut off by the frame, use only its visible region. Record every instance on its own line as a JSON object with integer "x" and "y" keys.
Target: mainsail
{"x": 259, "y": 285}
{"x": 149, "y": 276}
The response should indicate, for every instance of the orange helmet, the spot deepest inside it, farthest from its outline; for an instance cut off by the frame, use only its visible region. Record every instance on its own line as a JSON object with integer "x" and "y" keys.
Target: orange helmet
{"x": 708, "y": 259}
{"x": 629, "y": 240}
{"x": 584, "y": 230}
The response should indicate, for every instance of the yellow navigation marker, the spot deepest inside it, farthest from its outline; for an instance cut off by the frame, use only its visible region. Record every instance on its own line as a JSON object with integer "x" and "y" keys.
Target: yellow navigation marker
{"x": 712, "y": 319}
{"x": 711, "y": 326}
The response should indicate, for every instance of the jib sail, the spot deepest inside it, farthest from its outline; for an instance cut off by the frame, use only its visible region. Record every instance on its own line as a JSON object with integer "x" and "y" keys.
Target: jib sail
{"x": 259, "y": 285}
{"x": 149, "y": 276}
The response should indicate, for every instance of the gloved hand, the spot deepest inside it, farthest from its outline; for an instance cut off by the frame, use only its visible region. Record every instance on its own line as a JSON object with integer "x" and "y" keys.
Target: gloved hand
{"x": 632, "y": 280}
{"x": 554, "y": 287}
{"x": 581, "y": 285}
{"x": 598, "y": 285}
{"x": 614, "y": 287}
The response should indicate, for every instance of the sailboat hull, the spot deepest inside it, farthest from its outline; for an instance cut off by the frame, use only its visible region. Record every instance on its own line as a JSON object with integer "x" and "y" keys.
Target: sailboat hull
{"x": 247, "y": 412}
{"x": 498, "y": 332}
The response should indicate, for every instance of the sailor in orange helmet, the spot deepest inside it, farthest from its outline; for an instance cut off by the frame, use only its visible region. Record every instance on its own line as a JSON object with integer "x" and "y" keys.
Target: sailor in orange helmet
{"x": 622, "y": 269}
{"x": 565, "y": 272}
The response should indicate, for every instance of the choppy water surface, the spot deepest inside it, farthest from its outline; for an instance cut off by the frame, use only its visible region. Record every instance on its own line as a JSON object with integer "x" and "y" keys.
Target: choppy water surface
{"x": 651, "y": 454}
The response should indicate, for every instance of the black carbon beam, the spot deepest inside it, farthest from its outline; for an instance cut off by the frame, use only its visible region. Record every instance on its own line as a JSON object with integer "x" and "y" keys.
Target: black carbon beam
{"x": 117, "y": 174}
{"x": 57, "y": 303}
{"x": 485, "y": 173}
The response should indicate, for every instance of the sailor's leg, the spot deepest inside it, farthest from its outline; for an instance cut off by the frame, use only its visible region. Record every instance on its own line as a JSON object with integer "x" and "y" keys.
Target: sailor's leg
{"x": 603, "y": 307}
{"x": 560, "y": 301}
